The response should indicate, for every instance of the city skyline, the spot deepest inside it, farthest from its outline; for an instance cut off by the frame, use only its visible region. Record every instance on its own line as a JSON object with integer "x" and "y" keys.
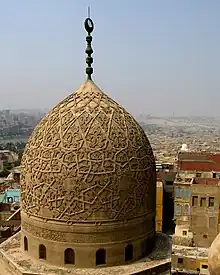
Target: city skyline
{"x": 168, "y": 51}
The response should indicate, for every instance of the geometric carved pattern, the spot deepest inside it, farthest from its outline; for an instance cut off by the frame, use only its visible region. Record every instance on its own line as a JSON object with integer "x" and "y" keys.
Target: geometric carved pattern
{"x": 88, "y": 160}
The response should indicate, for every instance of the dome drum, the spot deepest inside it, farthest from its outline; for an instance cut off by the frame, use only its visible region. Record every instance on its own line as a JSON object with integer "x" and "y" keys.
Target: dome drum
{"x": 85, "y": 255}
{"x": 139, "y": 233}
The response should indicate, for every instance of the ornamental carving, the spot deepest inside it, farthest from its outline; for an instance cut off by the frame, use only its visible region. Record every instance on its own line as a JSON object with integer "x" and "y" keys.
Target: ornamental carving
{"x": 104, "y": 237}
{"x": 44, "y": 233}
{"x": 88, "y": 160}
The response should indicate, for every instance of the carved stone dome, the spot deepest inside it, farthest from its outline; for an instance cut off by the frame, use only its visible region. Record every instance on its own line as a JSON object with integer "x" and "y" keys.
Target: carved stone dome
{"x": 88, "y": 177}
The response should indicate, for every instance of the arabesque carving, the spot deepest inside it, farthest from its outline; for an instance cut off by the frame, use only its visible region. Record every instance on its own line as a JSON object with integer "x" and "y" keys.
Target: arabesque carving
{"x": 45, "y": 233}
{"x": 88, "y": 159}
{"x": 104, "y": 237}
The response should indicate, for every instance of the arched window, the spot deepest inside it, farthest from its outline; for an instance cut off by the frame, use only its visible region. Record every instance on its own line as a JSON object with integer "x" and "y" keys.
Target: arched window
{"x": 69, "y": 256}
{"x": 128, "y": 252}
{"x": 25, "y": 244}
{"x": 100, "y": 256}
{"x": 42, "y": 252}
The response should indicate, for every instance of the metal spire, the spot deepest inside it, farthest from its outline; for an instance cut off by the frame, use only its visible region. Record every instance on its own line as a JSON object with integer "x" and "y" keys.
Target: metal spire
{"x": 89, "y": 26}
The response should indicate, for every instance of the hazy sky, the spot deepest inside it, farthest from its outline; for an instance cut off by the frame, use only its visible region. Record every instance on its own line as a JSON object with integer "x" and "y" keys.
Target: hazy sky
{"x": 155, "y": 57}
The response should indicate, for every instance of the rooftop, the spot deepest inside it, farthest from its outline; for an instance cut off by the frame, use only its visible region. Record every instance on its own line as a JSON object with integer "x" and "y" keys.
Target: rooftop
{"x": 206, "y": 181}
{"x": 204, "y": 161}
{"x": 190, "y": 252}
{"x": 191, "y": 177}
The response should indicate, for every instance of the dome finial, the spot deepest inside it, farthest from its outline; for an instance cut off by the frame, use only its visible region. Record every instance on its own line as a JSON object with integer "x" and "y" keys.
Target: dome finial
{"x": 89, "y": 26}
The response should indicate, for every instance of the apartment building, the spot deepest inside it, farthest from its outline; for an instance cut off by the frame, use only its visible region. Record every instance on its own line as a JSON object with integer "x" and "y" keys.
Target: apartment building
{"x": 196, "y": 214}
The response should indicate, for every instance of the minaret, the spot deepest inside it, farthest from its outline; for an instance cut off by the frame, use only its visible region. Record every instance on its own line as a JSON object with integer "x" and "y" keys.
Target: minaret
{"x": 89, "y": 27}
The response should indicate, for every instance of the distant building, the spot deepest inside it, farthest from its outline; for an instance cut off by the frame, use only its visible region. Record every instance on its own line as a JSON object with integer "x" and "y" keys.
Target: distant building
{"x": 199, "y": 161}
{"x": 10, "y": 196}
{"x": 184, "y": 148}
{"x": 10, "y": 225}
{"x": 168, "y": 179}
{"x": 164, "y": 167}
{"x": 14, "y": 176}
{"x": 196, "y": 205}
{"x": 8, "y": 156}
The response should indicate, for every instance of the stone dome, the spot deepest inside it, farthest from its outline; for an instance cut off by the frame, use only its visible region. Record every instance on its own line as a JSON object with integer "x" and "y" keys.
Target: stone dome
{"x": 88, "y": 177}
